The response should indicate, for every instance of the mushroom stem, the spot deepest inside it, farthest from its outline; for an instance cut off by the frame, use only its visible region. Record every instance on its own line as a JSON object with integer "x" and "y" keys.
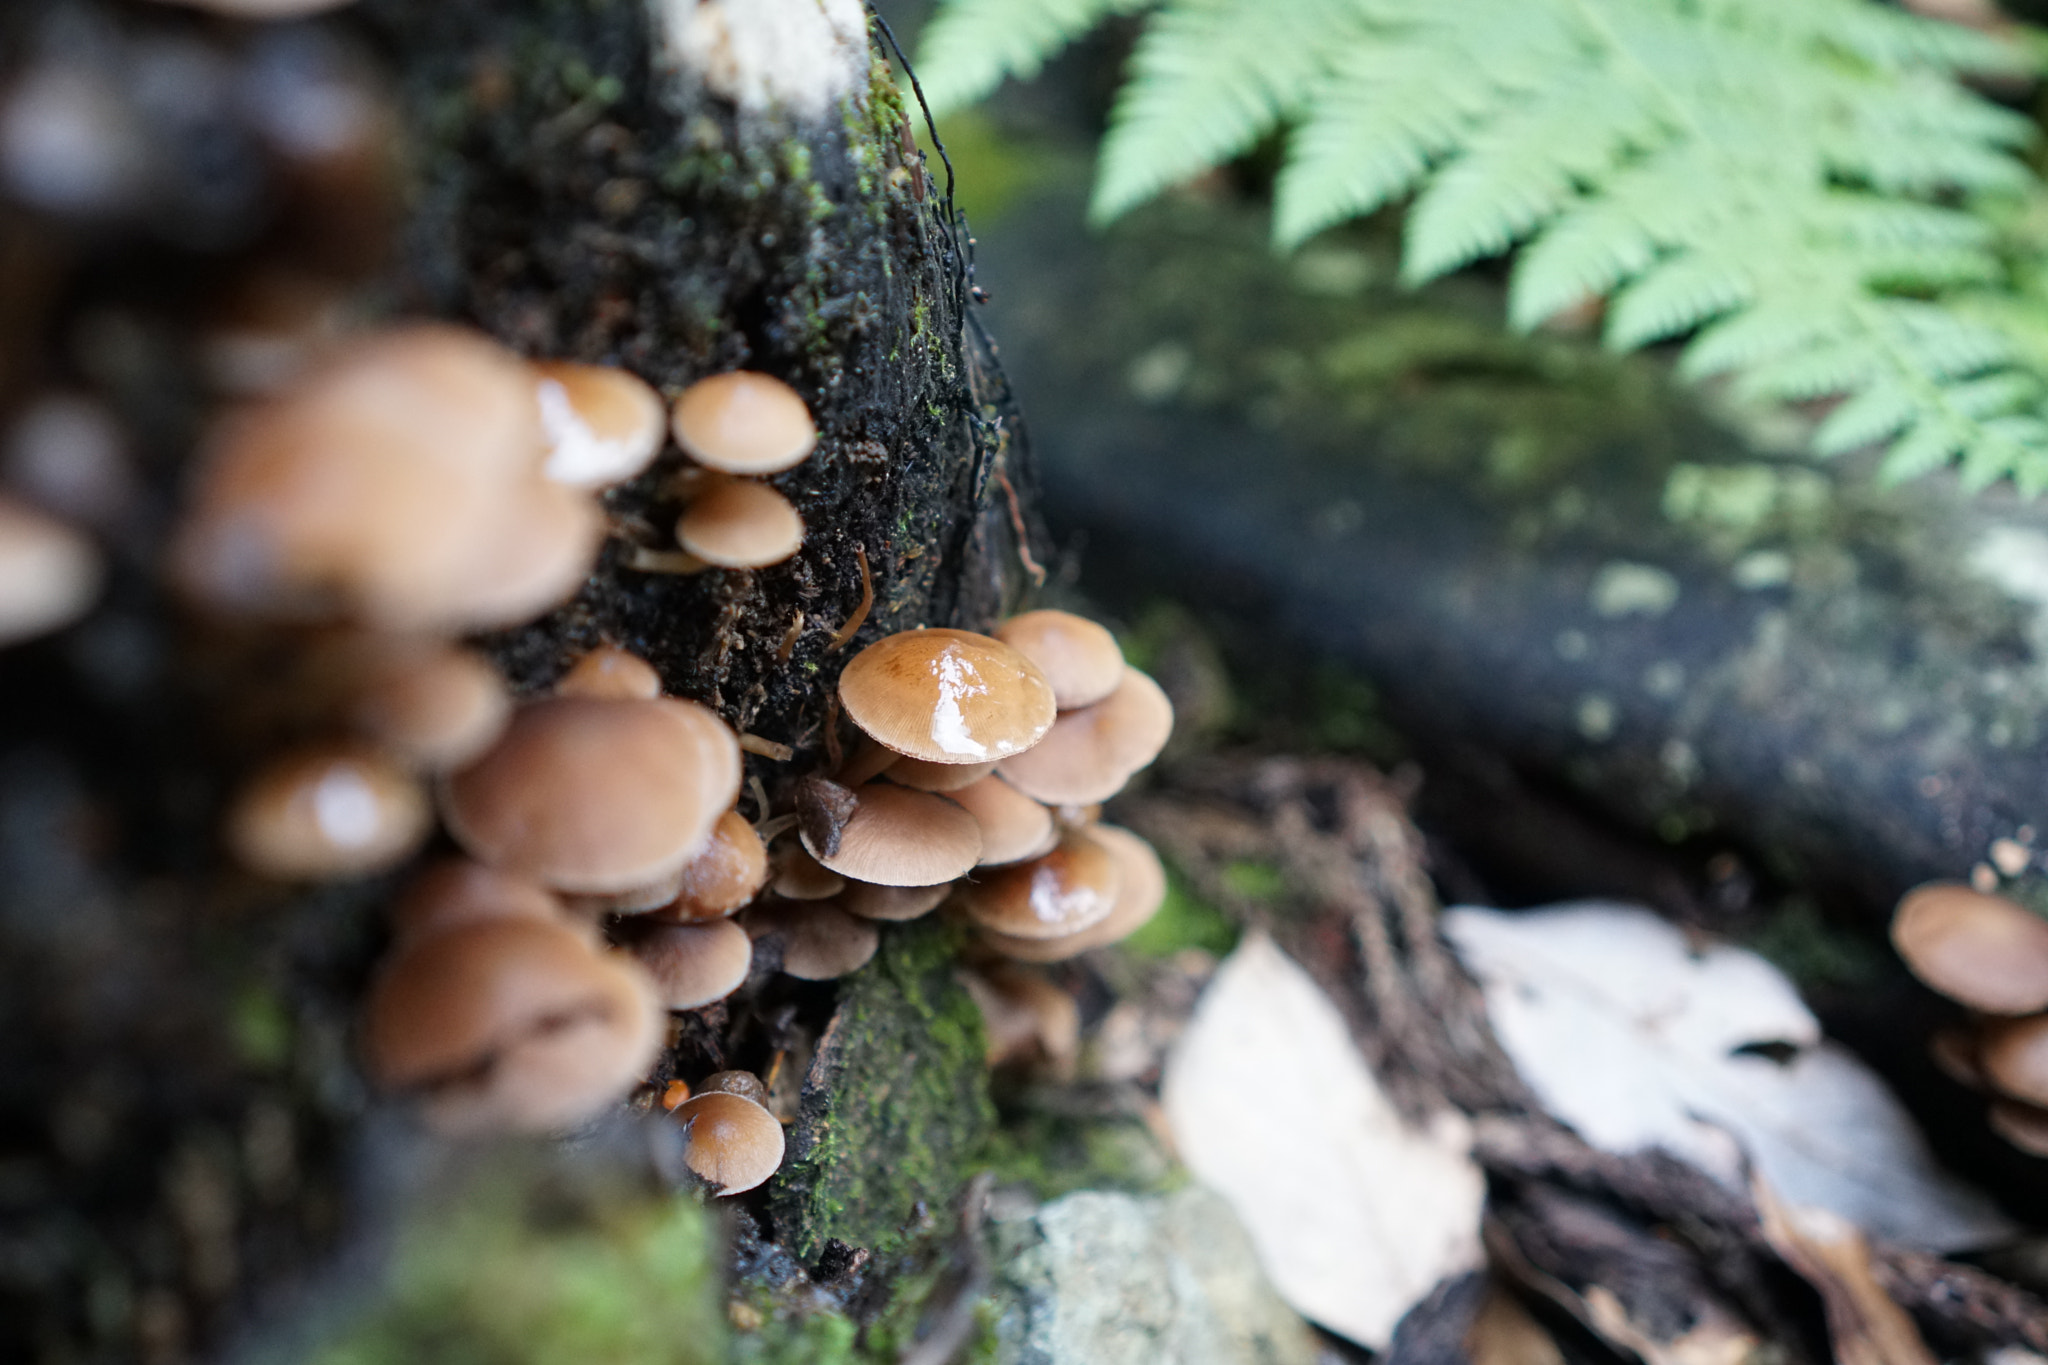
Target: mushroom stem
{"x": 869, "y": 760}
{"x": 767, "y": 748}
{"x": 663, "y": 561}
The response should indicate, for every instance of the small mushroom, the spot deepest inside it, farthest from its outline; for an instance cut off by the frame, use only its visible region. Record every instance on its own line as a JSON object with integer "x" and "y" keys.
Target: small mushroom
{"x": 509, "y": 1023}
{"x": 900, "y": 837}
{"x": 744, "y": 423}
{"x": 943, "y": 778}
{"x": 2025, "y": 1126}
{"x": 1077, "y": 656}
{"x": 892, "y": 903}
{"x": 736, "y": 524}
{"x": 1984, "y": 951}
{"x": 1062, "y": 893}
{"x": 49, "y": 574}
{"x": 611, "y": 672}
{"x": 800, "y": 877}
{"x": 603, "y": 424}
{"x": 2014, "y": 1056}
{"x": 329, "y": 810}
{"x": 820, "y": 942}
{"x": 726, "y": 873}
{"x": 546, "y": 544}
{"x": 1089, "y": 754}
{"x": 947, "y": 696}
{"x": 433, "y": 704}
{"x": 1141, "y": 890}
{"x": 596, "y": 796}
{"x": 1025, "y": 1017}
{"x": 693, "y": 965}
{"x": 1013, "y": 826}
{"x": 634, "y": 900}
{"x": 454, "y": 892}
{"x": 745, "y": 1084}
{"x": 733, "y": 1143}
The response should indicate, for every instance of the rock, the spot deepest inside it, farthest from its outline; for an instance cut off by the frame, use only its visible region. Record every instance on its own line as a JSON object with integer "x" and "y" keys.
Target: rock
{"x": 1105, "y": 1278}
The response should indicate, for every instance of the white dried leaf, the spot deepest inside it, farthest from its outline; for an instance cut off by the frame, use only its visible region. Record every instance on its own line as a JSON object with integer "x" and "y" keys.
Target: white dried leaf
{"x": 1356, "y": 1215}
{"x": 1638, "y": 1040}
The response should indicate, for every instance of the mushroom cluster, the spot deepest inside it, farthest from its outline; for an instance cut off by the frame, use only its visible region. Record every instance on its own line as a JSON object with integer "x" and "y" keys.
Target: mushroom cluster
{"x": 1989, "y": 954}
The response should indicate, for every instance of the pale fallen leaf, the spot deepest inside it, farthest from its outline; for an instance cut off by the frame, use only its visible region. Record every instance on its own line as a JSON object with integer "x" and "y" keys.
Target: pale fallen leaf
{"x": 1637, "y": 1040}
{"x": 1355, "y": 1215}
{"x": 1864, "y": 1325}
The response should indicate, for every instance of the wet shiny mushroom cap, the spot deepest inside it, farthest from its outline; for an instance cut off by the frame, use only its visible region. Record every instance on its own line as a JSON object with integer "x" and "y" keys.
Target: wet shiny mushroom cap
{"x": 1091, "y": 753}
{"x": 734, "y": 1143}
{"x": 1080, "y": 658}
{"x": 2014, "y": 1057}
{"x": 692, "y": 965}
{"x": 327, "y": 810}
{"x": 603, "y": 424}
{"x": 50, "y": 575}
{"x": 735, "y": 524}
{"x": 596, "y": 796}
{"x": 820, "y": 942}
{"x": 1141, "y": 890}
{"x": 453, "y": 892}
{"x": 744, "y": 423}
{"x": 1062, "y": 893}
{"x": 609, "y": 671}
{"x": 1013, "y": 826}
{"x": 947, "y": 696}
{"x": 509, "y": 1023}
{"x": 900, "y": 837}
{"x": 724, "y": 875}
{"x": 1984, "y": 951}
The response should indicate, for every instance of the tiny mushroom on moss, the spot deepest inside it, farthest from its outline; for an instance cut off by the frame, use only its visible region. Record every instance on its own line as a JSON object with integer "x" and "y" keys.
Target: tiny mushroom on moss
{"x": 49, "y": 574}
{"x": 744, "y": 423}
{"x": 510, "y": 1023}
{"x": 1050, "y": 897}
{"x": 735, "y": 524}
{"x": 901, "y": 837}
{"x": 603, "y": 424}
{"x": 947, "y": 696}
{"x": 1080, "y": 658}
{"x": 1141, "y": 889}
{"x": 1013, "y": 826}
{"x": 734, "y": 1143}
{"x": 596, "y": 796}
{"x": 327, "y": 810}
{"x": 1985, "y": 951}
{"x": 611, "y": 672}
{"x": 724, "y": 875}
{"x": 693, "y": 965}
{"x": 1091, "y": 753}
{"x": 820, "y": 942}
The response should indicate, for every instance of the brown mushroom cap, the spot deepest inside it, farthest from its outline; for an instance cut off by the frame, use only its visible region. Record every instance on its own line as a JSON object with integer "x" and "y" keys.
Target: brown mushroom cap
{"x": 943, "y": 778}
{"x": 1062, "y": 893}
{"x": 736, "y": 524}
{"x": 745, "y": 1084}
{"x": 433, "y": 704}
{"x": 800, "y": 877}
{"x": 1025, "y": 1016}
{"x": 603, "y": 424}
{"x": 455, "y": 891}
{"x": 734, "y": 1143}
{"x": 891, "y": 903}
{"x": 545, "y": 545}
{"x": 1013, "y": 826}
{"x": 947, "y": 696}
{"x": 510, "y": 1023}
{"x": 594, "y": 795}
{"x": 609, "y": 671}
{"x": 2025, "y": 1126}
{"x": 726, "y": 873}
{"x": 2014, "y": 1057}
{"x": 1090, "y": 753}
{"x": 634, "y": 900}
{"x": 49, "y": 574}
{"x": 693, "y": 965}
{"x": 820, "y": 942}
{"x": 372, "y": 486}
{"x": 330, "y": 810}
{"x": 900, "y": 837}
{"x": 1985, "y": 951}
{"x": 1141, "y": 889}
{"x": 744, "y": 423}
{"x": 1079, "y": 657}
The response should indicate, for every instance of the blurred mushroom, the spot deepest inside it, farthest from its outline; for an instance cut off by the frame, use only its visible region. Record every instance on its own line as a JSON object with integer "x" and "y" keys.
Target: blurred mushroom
{"x": 1141, "y": 889}
{"x": 610, "y": 672}
{"x": 49, "y": 574}
{"x": 947, "y": 696}
{"x": 735, "y": 524}
{"x": 1013, "y": 826}
{"x": 1077, "y": 656}
{"x": 1026, "y": 1016}
{"x": 1984, "y": 951}
{"x": 726, "y": 873}
{"x": 454, "y": 892}
{"x": 603, "y": 424}
{"x": 67, "y": 454}
{"x": 734, "y": 1143}
{"x": 900, "y": 837}
{"x": 745, "y": 1084}
{"x": 820, "y": 942}
{"x": 2014, "y": 1056}
{"x": 744, "y": 423}
{"x": 893, "y": 903}
{"x": 1062, "y": 893}
{"x": 2025, "y": 1126}
{"x": 596, "y": 796}
{"x": 509, "y": 1023}
{"x": 433, "y": 704}
{"x": 693, "y": 965}
{"x": 1089, "y": 754}
{"x": 331, "y": 810}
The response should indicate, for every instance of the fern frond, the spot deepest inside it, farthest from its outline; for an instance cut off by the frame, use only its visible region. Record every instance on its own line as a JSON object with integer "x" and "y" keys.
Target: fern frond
{"x": 971, "y": 46}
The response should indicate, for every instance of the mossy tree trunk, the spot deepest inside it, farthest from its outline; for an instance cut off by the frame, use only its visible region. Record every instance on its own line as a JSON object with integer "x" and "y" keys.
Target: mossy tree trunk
{"x": 587, "y": 179}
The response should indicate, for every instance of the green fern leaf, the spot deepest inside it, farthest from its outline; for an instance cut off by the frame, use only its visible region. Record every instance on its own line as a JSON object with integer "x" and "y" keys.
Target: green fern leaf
{"x": 1876, "y": 414}
{"x": 971, "y": 46}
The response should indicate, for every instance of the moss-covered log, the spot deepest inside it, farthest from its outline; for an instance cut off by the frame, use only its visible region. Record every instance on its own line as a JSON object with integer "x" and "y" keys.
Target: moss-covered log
{"x": 681, "y": 189}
